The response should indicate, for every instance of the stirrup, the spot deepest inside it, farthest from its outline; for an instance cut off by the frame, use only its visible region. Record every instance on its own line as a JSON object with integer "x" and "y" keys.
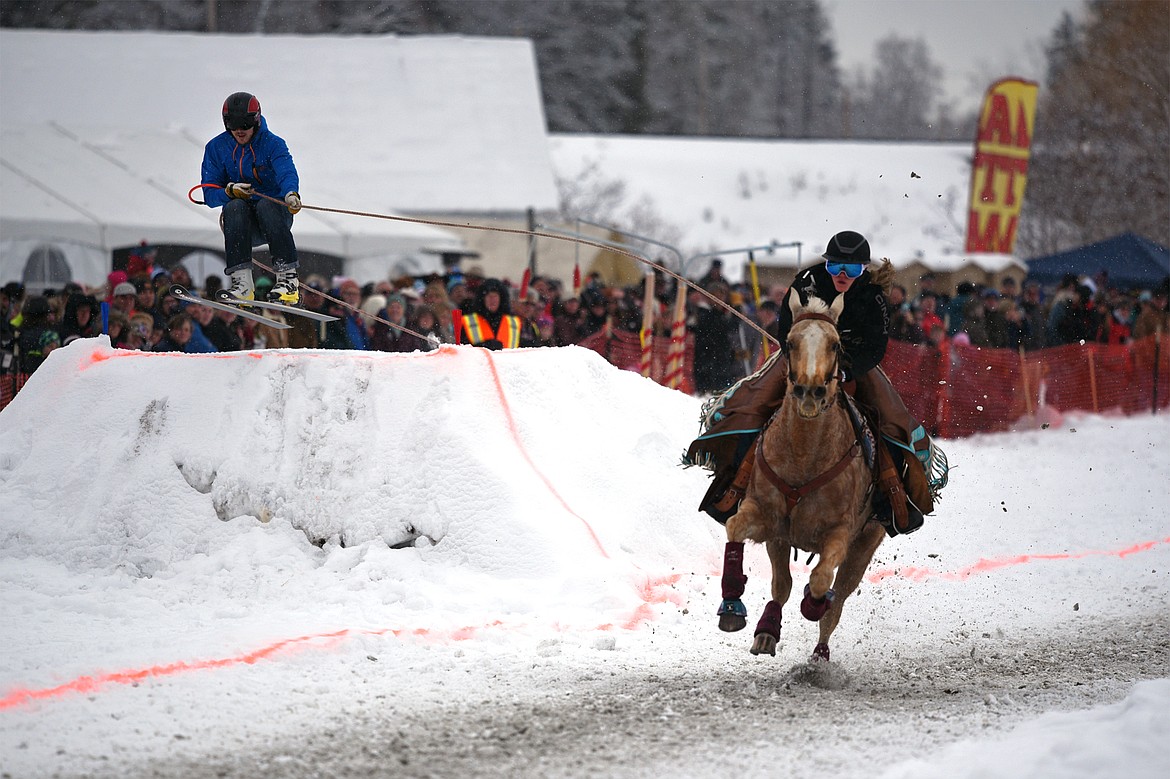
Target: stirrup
{"x": 884, "y": 516}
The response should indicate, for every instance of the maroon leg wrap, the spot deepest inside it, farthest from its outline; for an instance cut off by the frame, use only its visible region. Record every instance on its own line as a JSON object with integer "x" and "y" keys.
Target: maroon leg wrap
{"x": 770, "y": 620}
{"x": 812, "y": 608}
{"x": 734, "y": 579}
{"x": 820, "y": 652}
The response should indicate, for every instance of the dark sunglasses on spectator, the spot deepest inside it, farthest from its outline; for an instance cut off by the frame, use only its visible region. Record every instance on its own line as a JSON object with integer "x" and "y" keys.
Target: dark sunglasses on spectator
{"x": 850, "y": 269}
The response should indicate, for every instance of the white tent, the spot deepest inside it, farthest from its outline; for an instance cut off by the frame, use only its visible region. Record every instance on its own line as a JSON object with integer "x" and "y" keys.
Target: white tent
{"x": 100, "y": 143}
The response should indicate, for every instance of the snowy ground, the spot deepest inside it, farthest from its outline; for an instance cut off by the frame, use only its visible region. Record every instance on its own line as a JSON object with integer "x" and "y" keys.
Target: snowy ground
{"x": 468, "y": 563}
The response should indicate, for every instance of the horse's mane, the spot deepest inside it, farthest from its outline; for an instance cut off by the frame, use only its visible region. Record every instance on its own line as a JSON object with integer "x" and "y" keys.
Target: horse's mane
{"x": 815, "y": 306}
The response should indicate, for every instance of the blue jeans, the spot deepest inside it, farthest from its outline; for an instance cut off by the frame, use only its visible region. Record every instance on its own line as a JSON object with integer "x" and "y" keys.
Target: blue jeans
{"x": 249, "y": 223}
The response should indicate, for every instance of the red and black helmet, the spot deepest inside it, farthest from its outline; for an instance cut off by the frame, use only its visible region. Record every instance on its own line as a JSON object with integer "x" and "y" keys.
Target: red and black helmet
{"x": 241, "y": 111}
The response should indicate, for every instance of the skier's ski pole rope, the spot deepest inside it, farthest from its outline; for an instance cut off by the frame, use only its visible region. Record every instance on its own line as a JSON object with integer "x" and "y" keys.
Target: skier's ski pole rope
{"x": 517, "y": 231}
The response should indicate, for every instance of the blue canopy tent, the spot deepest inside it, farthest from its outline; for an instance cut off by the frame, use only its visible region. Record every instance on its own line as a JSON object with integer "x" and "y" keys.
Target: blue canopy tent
{"x": 1131, "y": 261}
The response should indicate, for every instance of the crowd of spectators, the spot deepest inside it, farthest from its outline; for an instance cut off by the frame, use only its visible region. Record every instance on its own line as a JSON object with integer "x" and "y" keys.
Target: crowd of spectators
{"x": 409, "y": 314}
{"x": 1079, "y": 310}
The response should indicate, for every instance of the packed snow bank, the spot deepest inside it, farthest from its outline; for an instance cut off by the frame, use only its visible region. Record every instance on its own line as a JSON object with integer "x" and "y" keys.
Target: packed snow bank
{"x": 450, "y": 488}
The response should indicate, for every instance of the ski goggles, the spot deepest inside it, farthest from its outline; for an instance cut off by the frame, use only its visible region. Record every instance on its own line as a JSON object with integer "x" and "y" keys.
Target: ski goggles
{"x": 234, "y": 123}
{"x": 851, "y": 269}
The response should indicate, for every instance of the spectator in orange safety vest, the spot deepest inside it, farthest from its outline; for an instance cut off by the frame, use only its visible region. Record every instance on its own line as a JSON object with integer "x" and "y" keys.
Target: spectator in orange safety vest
{"x": 491, "y": 323}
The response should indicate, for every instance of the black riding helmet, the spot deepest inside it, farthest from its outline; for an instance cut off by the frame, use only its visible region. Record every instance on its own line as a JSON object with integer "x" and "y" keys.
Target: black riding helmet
{"x": 847, "y": 246}
{"x": 241, "y": 111}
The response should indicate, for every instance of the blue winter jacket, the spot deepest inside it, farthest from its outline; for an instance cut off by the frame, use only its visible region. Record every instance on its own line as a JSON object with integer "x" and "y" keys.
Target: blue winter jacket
{"x": 264, "y": 162}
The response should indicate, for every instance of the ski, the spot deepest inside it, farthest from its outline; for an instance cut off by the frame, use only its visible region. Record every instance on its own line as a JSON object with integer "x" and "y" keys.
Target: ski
{"x": 237, "y": 304}
{"x": 179, "y": 291}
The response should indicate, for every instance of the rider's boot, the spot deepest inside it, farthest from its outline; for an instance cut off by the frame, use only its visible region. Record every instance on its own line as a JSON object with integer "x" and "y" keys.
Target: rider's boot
{"x": 892, "y": 508}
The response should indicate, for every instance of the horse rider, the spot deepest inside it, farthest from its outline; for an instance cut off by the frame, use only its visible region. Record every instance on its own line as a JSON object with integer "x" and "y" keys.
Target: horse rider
{"x": 733, "y": 420}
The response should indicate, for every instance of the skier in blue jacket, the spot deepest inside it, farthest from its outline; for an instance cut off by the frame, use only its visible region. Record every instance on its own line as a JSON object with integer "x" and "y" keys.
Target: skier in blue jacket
{"x": 245, "y": 160}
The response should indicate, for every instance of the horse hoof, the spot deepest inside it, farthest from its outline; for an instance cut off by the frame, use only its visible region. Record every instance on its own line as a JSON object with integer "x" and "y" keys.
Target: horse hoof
{"x": 820, "y": 654}
{"x": 814, "y": 608}
{"x": 764, "y": 645}
{"x": 732, "y": 615}
{"x": 730, "y": 623}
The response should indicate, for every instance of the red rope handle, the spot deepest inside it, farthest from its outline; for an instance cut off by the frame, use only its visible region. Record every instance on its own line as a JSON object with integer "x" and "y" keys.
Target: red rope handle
{"x": 200, "y": 186}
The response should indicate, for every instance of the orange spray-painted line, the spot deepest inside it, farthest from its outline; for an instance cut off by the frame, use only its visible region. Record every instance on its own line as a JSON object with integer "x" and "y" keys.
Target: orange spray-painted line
{"x": 650, "y": 592}
{"x": 92, "y": 683}
{"x": 983, "y": 565}
{"x": 528, "y": 458}
{"x": 644, "y": 612}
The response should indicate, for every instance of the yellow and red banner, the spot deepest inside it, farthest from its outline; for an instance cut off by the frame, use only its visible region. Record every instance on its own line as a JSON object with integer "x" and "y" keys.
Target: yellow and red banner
{"x": 999, "y": 171}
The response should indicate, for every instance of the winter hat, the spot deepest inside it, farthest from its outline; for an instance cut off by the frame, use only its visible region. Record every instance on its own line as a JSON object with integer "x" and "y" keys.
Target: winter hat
{"x": 373, "y": 305}
{"x": 395, "y": 297}
{"x": 125, "y": 288}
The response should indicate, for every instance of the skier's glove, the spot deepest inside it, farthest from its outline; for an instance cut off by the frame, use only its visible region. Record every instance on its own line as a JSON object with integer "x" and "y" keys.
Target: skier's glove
{"x": 241, "y": 191}
{"x": 293, "y": 201}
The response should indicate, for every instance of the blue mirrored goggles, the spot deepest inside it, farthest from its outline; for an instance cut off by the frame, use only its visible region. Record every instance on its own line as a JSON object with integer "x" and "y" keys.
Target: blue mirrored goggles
{"x": 850, "y": 269}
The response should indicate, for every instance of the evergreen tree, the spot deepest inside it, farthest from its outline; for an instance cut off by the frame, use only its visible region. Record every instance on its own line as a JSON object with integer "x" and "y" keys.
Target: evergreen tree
{"x": 1101, "y": 150}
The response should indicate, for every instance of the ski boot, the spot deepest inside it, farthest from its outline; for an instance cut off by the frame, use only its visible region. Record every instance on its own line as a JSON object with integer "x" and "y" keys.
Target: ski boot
{"x": 287, "y": 288}
{"x": 242, "y": 287}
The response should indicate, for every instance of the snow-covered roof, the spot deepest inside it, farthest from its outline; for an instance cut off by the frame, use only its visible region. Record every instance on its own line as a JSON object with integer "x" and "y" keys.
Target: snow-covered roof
{"x": 415, "y": 124}
{"x": 100, "y": 142}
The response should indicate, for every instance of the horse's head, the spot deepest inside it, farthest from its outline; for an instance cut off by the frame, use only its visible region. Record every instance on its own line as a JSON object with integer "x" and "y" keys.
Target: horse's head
{"x": 814, "y": 354}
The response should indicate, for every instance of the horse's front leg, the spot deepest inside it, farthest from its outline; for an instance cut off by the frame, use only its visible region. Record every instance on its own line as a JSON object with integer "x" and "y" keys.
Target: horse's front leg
{"x": 818, "y": 593}
{"x": 849, "y": 575}
{"x": 747, "y": 523}
{"x": 768, "y": 628}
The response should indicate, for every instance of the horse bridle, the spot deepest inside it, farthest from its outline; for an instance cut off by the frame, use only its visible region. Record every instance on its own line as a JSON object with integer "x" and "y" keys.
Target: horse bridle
{"x": 836, "y": 357}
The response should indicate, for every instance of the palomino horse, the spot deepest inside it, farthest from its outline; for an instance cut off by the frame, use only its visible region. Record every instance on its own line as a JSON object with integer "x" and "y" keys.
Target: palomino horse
{"x": 810, "y": 489}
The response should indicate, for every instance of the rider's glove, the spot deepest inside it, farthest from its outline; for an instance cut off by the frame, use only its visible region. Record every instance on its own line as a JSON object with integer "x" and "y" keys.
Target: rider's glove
{"x": 241, "y": 191}
{"x": 293, "y": 201}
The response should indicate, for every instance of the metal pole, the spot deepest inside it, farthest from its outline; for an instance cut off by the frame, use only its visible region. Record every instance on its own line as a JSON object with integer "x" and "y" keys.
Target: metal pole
{"x": 643, "y": 238}
{"x": 532, "y": 242}
{"x": 570, "y": 234}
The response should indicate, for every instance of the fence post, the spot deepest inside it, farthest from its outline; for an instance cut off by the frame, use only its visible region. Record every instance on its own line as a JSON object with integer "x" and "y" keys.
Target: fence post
{"x": 1157, "y": 361}
{"x": 1027, "y": 384}
{"x": 1093, "y": 379}
{"x": 944, "y": 387}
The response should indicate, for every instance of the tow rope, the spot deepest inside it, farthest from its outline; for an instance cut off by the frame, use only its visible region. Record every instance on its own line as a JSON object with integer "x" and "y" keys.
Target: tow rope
{"x": 511, "y": 231}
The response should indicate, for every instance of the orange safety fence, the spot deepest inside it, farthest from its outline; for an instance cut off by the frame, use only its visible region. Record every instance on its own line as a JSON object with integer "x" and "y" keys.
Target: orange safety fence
{"x": 10, "y": 384}
{"x": 623, "y": 349}
{"x": 960, "y": 390}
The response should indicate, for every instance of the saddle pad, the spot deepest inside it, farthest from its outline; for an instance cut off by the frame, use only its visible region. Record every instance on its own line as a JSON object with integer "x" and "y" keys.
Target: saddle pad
{"x": 864, "y": 431}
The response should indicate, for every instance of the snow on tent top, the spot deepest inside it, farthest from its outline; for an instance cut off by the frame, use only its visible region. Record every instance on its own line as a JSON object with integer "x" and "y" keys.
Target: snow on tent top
{"x": 428, "y": 122}
{"x": 521, "y": 466}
